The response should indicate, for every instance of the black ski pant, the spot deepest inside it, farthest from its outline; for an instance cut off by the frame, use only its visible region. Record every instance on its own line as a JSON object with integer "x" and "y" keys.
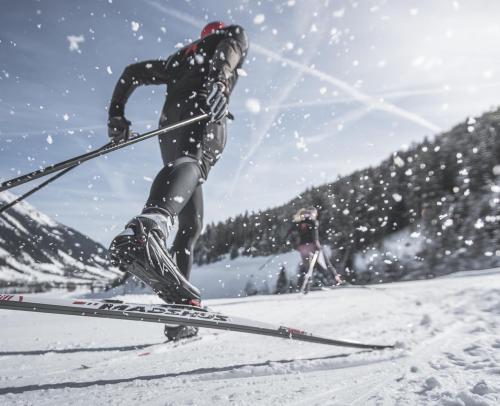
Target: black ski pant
{"x": 188, "y": 154}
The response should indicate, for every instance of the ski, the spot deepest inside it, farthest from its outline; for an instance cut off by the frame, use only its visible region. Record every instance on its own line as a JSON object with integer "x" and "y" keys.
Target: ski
{"x": 167, "y": 313}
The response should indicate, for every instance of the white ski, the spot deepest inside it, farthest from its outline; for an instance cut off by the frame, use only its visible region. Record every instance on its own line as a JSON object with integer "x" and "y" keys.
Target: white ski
{"x": 167, "y": 313}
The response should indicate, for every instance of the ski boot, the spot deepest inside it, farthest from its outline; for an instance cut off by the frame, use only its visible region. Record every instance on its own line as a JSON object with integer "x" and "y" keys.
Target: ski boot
{"x": 141, "y": 250}
{"x": 176, "y": 332}
{"x": 179, "y": 332}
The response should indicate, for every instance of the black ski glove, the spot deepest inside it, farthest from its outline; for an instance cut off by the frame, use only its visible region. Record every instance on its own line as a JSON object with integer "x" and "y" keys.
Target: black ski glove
{"x": 217, "y": 102}
{"x": 118, "y": 129}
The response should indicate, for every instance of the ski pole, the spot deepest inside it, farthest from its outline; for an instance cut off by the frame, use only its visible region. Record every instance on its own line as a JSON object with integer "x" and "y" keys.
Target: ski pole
{"x": 35, "y": 189}
{"x": 40, "y": 186}
{"x": 94, "y": 154}
{"x": 309, "y": 273}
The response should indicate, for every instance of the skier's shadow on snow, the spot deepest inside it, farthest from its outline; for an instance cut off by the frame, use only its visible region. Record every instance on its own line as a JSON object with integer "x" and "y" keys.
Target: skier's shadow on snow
{"x": 76, "y": 350}
{"x": 199, "y": 371}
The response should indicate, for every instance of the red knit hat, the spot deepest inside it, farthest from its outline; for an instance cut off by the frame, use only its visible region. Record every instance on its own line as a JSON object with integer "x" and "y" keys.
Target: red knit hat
{"x": 210, "y": 28}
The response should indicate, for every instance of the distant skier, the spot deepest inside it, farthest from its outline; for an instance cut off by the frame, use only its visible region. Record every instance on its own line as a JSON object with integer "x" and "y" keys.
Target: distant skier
{"x": 304, "y": 237}
{"x": 199, "y": 77}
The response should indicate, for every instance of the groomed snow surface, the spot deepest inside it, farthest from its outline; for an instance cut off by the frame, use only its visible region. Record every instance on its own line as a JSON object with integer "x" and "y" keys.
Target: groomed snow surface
{"x": 447, "y": 330}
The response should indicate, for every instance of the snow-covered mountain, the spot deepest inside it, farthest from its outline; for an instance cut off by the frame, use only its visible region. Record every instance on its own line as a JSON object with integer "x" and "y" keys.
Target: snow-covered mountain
{"x": 35, "y": 249}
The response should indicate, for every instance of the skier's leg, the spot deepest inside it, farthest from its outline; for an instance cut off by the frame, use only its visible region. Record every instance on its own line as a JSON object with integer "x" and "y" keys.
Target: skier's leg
{"x": 190, "y": 226}
{"x": 302, "y": 270}
{"x": 141, "y": 247}
{"x": 330, "y": 270}
{"x": 173, "y": 187}
{"x": 322, "y": 269}
{"x": 306, "y": 253}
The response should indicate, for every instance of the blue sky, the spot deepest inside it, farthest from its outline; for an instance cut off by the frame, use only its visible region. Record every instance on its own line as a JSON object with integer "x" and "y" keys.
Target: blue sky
{"x": 330, "y": 87}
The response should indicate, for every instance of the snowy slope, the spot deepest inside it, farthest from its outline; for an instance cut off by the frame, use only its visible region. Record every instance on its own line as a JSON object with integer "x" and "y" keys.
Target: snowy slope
{"x": 36, "y": 249}
{"x": 448, "y": 332}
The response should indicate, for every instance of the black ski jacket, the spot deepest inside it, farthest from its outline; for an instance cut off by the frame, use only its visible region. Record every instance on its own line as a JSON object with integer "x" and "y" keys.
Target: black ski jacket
{"x": 304, "y": 232}
{"x": 188, "y": 73}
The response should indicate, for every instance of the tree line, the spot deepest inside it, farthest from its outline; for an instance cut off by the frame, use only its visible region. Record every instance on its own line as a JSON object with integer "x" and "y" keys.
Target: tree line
{"x": 445, "y": 191}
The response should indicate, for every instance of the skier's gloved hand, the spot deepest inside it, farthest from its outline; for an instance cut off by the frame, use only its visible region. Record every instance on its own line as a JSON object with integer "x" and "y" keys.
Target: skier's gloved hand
{"x": 118, "y": 129}
{"x": 217, "y": 102}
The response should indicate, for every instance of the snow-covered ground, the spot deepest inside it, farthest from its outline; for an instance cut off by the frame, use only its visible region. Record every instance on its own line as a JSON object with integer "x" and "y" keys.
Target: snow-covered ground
{"x": 448, "y": 332}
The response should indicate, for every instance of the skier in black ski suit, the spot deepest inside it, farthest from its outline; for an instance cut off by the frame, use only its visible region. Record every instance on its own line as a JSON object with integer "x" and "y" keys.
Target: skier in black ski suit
{"x": 200, "y": 78}
{"x": 304, "y": 237}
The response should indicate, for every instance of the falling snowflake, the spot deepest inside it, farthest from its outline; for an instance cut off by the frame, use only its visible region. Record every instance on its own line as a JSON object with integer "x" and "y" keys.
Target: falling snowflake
{"x": 241, "y": 72}
{"x": 135, "y": 26}
{"x": 339, "y": 13}
{"x": 398, "y": 161}
{"x": 253, "y": 105}
{"x": 75, "y": 41}
{"x": 178, "y": 199}
{"x": 447, "y": 223}
{"x": 259, "y": 19}
{"x": 397, "y": 197}
{"x": 301, "y": 144}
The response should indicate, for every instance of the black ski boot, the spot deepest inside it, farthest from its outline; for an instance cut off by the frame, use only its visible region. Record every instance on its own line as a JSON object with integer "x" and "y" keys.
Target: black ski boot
{"x": 176, "y": 332}
{"x": 141, "y": 250}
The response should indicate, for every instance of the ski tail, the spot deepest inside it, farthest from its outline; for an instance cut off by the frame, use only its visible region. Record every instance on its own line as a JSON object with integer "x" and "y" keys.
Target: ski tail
{"x": 169, "y": 314}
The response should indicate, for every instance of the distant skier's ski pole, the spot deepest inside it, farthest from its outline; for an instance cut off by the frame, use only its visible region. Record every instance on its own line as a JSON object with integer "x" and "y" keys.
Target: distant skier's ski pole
{"x": 308, "y": 275}
{"x": 94, "y": 154}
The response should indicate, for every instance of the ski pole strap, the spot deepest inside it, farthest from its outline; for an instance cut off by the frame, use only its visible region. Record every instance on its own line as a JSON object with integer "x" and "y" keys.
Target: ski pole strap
{"x": 94, "y": 154}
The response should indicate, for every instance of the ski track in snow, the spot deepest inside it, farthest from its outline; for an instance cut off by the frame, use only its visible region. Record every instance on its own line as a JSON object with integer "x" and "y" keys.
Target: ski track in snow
{"x": 447, "y": 333}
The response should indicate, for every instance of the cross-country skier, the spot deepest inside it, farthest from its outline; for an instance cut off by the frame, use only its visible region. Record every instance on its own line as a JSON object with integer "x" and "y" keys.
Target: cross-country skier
{"x": 304, "y": 236}
{"x": 200, "y": 78}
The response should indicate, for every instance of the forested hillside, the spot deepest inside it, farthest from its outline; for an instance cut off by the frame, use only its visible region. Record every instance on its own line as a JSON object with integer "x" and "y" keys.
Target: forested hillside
{"x": 441, "y": 195}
